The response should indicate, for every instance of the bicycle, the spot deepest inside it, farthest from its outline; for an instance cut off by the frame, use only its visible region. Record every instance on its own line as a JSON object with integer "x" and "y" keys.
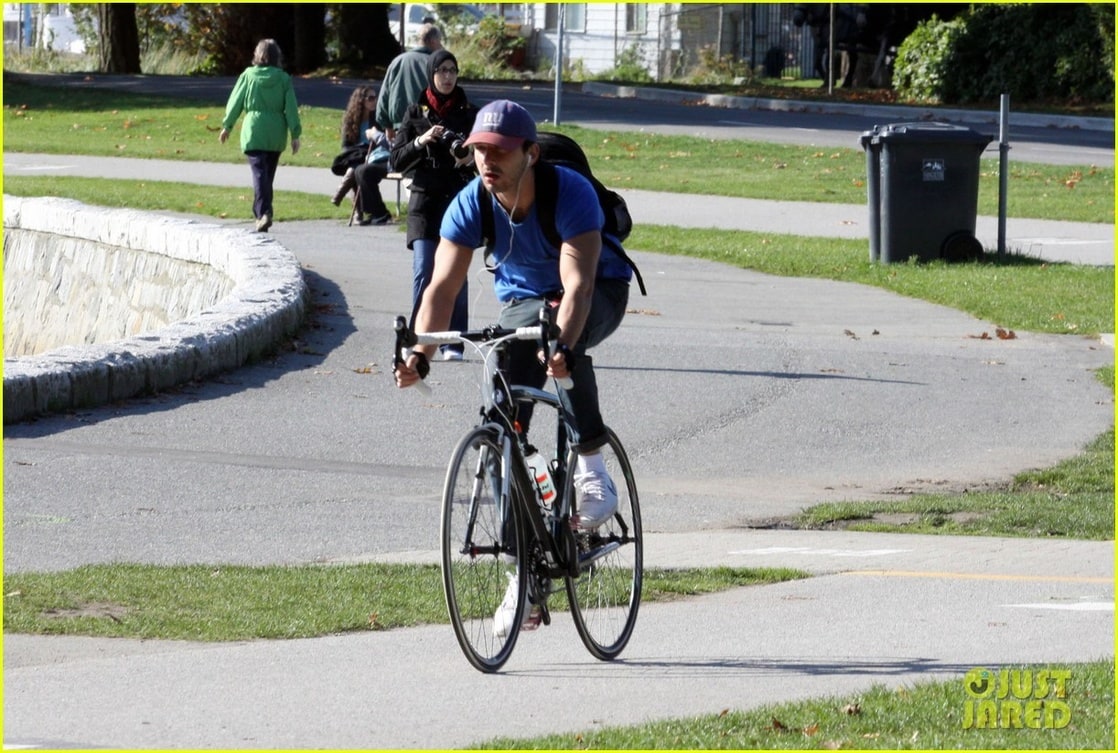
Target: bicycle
{"x": 497, "y": 528}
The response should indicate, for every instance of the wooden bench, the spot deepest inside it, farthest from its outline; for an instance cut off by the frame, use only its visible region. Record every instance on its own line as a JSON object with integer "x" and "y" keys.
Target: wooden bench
{"x": 399, "y": 178}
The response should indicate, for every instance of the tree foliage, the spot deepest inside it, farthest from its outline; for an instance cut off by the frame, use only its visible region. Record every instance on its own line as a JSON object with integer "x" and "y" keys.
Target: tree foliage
{"x": 1035, "y": 52}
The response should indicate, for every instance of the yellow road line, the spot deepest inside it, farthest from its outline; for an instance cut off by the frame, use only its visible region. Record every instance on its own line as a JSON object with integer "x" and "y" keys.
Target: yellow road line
{"x": 980, "y": 576}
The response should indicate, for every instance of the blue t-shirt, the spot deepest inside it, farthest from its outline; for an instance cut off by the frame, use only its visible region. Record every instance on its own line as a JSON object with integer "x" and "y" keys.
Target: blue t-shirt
{"x": 527, "y": 265}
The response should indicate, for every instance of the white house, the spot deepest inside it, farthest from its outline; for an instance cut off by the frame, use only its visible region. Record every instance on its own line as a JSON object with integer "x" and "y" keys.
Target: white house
{"x": 670, "y": 39}
{"x": 49, "y": 26}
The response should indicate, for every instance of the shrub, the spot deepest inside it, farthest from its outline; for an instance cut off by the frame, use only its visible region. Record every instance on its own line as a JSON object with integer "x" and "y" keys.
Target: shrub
{"x": 629, "y": 67}
{"x": 1035, "y": 52}
{"x": 924, "y": 60}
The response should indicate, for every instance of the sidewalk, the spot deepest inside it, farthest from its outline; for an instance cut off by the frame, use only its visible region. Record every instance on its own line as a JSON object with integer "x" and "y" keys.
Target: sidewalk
{"x": 739, "y": 396}
{"x": 883, "y": 609}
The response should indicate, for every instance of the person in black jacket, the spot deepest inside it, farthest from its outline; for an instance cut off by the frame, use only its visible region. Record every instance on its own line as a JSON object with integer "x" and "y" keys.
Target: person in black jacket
{"x": 423, "y": 150}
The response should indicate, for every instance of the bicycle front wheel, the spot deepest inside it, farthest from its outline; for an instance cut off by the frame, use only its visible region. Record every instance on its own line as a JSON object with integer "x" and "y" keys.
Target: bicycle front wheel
{"x": 480, "y": 535}
{"x": 606, "y": 595}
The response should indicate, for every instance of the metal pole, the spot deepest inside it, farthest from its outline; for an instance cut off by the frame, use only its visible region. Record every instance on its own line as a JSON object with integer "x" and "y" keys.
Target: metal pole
{"x": 831, "y": 52}
{"x": 559, "y": 65}
{"x": 1003, "y": 172}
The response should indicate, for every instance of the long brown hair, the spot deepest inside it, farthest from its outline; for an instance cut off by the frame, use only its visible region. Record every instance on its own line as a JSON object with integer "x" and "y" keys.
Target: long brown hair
{"x": 355, "y": 114}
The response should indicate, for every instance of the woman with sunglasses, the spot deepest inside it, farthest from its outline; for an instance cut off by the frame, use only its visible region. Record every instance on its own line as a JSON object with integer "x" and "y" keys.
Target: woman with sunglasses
{"x": 369, "y": 164}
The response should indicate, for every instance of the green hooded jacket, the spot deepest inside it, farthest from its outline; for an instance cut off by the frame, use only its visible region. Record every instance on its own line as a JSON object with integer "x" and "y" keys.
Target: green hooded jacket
{"x": 265, "y": 94}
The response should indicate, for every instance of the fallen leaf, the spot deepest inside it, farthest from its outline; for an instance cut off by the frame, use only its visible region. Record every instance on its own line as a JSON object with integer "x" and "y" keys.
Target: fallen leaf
{"x": 852, "y": 709}
{"x": 723, "y": 712}
{"x": 1005, "y": 334}
{"x": 369, "y": 368}
{"x": 850, "y": 334}
{"x": 778, "y": 726}
{"x": 811, "y": 729}
{"x": 373, "y": 624}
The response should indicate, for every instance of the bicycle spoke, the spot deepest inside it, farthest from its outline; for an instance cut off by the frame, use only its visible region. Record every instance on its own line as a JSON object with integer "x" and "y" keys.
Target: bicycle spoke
{"x": 606, "y": 596}
{"x": 476, "y": 550}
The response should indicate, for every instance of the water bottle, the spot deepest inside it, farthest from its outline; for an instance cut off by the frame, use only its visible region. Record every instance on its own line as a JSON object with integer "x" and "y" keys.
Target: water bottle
{"x": 541, "y": 474}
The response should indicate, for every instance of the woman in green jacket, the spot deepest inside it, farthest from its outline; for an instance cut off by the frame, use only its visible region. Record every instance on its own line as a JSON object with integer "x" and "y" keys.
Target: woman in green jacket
{"x": 265, "y": 94}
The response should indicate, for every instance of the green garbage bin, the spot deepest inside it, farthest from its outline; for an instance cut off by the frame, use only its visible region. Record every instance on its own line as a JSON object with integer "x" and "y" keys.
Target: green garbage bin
{"x": 922, "y": 190}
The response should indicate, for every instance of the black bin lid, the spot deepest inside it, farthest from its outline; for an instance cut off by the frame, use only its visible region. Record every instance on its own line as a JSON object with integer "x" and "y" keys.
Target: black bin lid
{"x": 925, "y": 133}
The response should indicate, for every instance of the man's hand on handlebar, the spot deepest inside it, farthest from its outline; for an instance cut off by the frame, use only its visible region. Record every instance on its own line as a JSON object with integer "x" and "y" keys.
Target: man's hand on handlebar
{"x": 557, "y": 365}
{"x": 411, "y": 370}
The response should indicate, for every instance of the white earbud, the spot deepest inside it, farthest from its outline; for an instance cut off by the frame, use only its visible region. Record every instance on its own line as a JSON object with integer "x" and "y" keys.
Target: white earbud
{"x": 530, "y": 160}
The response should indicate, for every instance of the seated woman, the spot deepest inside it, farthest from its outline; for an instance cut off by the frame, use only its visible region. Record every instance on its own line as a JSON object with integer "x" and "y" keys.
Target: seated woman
{"x": 366, "y": 167}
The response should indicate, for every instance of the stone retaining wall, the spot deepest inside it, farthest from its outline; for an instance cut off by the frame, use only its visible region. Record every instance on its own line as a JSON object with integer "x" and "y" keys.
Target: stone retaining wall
{"x": 201, "y": 299}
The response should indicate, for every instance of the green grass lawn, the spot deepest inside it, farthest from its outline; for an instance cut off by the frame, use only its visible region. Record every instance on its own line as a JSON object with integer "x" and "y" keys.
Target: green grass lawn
{"x": 924, "y": 716}
{"x": 234, "y": 603}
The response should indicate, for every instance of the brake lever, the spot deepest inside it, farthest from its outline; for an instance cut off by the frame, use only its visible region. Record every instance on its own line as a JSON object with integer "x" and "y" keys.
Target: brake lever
{"x": 549, "y": 342}
{"x": 405, "y": 339}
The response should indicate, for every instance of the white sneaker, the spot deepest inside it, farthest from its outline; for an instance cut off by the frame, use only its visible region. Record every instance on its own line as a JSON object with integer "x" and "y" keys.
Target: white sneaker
{"x": 597, "y": 498}
{"x": 505, "y": 615}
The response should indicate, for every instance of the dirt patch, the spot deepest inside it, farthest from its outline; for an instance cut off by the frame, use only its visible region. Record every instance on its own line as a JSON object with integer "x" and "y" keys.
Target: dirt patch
{"x": 95, "y": 609}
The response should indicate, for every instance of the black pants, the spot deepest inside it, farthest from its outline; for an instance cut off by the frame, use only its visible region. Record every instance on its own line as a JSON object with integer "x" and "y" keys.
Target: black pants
{"x": 368, "y": 176}
{"x": 263, "y": 165}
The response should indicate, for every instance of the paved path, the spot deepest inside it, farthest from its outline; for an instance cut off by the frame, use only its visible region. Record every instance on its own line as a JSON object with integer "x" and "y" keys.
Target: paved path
{"x": 740, "y": 396}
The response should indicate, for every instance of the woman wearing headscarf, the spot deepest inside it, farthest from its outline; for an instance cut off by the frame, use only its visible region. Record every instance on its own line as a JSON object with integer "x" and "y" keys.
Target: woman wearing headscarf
{"x": 264, "y": 93}
{"x": 425, "y": 151}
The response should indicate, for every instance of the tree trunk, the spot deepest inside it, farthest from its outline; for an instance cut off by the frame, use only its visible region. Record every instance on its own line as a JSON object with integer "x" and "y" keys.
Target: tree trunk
{"x": 363, "y": 36}
{"x": 119, "y": 38}
{"x": 309, "y": 20}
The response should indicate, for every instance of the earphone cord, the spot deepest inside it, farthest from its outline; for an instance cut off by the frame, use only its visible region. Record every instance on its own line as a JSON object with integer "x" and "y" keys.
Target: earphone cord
{"x": 508, "y": 217}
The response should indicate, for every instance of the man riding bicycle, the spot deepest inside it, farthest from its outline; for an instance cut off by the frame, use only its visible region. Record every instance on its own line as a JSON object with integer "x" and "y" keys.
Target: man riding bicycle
{"x": 587, "y": 283}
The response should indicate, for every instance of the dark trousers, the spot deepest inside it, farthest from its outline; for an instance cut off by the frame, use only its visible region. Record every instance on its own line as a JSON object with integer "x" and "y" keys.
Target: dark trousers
{"x": 263, "y": 166}
{"x": 423, "y": 265}
{"x": 368, "y": 176}
{"x": 580, "y": 402}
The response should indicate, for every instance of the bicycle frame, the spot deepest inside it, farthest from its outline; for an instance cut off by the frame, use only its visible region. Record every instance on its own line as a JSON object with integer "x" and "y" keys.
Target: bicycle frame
{"x": 498, "y": 413}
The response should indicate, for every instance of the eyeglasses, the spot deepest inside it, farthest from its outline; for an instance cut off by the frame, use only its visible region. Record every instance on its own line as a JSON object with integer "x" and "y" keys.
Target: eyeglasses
{"x": 371, "y": 96}
{"x": 447, "y": 71}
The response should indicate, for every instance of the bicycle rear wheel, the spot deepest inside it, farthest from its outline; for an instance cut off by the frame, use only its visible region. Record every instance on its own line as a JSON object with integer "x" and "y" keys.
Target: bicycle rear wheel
{"x": 480, "y": 535}
{"x": 606, "y": 595}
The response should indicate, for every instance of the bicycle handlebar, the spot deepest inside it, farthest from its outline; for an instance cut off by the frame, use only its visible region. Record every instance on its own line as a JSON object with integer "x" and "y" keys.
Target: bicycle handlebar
{"x": 546, "y": 333}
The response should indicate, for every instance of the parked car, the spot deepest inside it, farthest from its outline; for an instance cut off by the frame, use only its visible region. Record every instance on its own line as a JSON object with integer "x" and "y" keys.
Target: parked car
{"x": 417, "y": 14}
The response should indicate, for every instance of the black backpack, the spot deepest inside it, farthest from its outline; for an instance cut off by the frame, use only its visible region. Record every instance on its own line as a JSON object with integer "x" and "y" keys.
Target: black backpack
{"x": 557, "y": 149}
